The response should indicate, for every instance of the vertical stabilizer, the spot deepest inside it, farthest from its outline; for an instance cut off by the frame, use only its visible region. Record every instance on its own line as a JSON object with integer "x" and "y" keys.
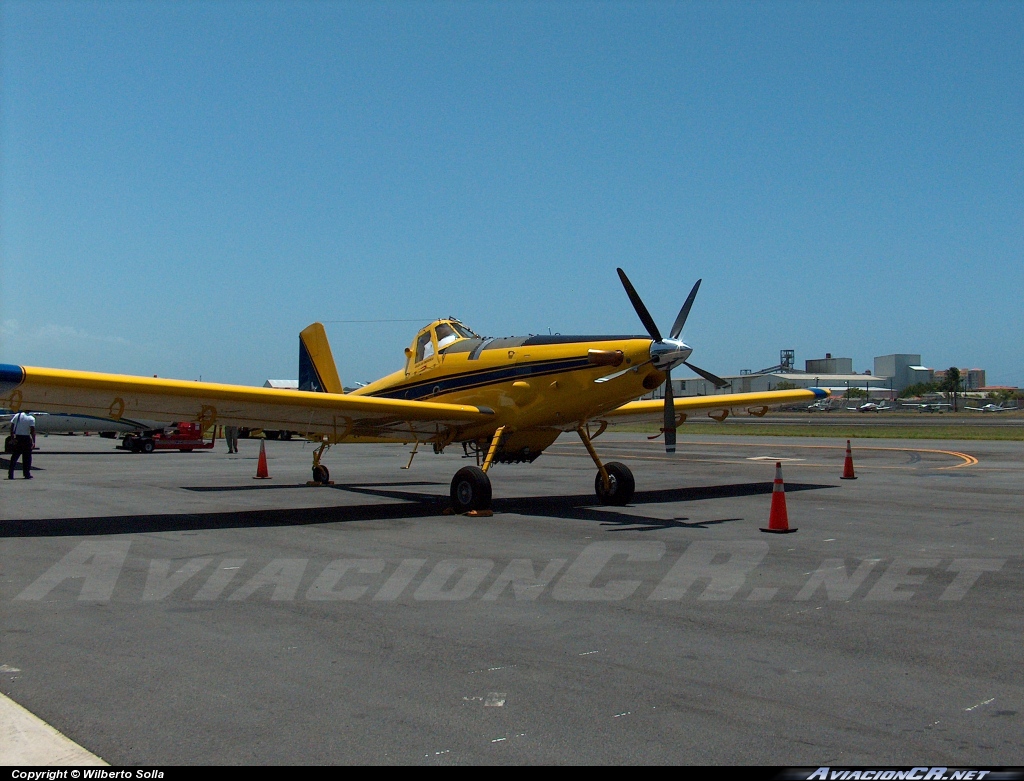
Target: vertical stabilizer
{"x": 317, "y": 371}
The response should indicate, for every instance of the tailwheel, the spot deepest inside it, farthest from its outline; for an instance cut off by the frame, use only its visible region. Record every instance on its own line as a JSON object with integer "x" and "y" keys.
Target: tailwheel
{"x": 621, "y": 484}
{"x": 471, "y": 490}
{"x": 321, "y": 475}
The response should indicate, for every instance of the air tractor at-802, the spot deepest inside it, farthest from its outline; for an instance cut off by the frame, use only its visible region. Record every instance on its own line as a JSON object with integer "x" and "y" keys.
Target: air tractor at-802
{"x": 504, "y": 400}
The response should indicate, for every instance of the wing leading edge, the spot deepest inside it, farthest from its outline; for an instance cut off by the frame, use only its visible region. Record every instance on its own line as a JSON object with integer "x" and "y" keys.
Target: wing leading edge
{"x": 338, "y": 416}
{"x": 653, "y": 410}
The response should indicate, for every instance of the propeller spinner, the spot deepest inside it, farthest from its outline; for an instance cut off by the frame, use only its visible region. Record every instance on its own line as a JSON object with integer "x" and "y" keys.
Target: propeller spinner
{"x": 667, "y": 353}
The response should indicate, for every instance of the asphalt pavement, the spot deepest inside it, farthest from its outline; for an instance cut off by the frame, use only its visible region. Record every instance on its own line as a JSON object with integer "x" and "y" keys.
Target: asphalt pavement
{"x": 171, "y": 609}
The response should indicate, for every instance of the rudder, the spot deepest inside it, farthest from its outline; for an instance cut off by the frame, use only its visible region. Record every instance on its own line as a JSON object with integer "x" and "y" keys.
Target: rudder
{"x": 317, "y": 371}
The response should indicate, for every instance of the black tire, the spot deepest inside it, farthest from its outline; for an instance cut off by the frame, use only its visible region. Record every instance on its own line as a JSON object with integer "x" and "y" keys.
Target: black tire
{"x": 321, "y": 474}
{"x": 471, "y": 490}
{"x": 147, "y": 446}
{"x": 622, "y": 484}
{"x": 134, "y": 445}
{"x": 285, "y": 436}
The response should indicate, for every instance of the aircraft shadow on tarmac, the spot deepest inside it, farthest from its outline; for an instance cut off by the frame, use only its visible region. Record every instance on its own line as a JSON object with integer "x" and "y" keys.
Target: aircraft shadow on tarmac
{"x": 414, "y": 505}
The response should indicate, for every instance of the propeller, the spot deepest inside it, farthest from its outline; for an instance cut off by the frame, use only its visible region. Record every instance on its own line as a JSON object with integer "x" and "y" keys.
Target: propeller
{"x": 666, "y": 353}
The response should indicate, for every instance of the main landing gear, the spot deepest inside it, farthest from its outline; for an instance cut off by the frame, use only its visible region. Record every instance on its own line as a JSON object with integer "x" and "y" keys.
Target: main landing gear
{"x": 471, "y": 490}
{"x": 614, "y": 483}
{"x": 321, "y": 475}
{"x": 471, "y": 487}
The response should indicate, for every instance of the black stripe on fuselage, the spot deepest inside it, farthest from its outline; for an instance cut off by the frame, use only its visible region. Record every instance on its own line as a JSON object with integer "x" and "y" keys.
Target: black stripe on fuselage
{"x": 475, "y": 346}
{"x": 479, "y": 378}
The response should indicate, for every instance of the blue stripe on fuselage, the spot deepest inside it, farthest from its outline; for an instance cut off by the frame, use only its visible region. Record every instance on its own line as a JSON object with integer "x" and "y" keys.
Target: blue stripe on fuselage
{"x": 481, "y": 377}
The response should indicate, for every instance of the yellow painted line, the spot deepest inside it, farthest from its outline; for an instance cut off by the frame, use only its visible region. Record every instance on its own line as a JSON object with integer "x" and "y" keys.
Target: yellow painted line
{"x": 967, "y": 459}
{"x": 801, "y": 465}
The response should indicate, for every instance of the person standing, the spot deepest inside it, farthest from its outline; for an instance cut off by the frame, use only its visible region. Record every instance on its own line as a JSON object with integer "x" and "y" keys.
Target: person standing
{"x": 231, "y": 437}
{"x": 23, "y": 429}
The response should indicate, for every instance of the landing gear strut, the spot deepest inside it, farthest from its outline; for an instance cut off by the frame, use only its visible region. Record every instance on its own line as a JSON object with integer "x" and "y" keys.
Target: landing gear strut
{"x": 471, "y": 487}
{"x": 321, "y": 475}
{"x": 614, "y": 483}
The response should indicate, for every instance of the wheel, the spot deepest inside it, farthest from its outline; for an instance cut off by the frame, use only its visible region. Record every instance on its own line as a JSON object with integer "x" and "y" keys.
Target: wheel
{"x": 622, "y": 484}
{"x": 471, "y": 490}
{"x": 133, "y": 445}
{"x": 285, "y": 436}
{"x": 147, "y": 446}
{"x": 321, "y": 474}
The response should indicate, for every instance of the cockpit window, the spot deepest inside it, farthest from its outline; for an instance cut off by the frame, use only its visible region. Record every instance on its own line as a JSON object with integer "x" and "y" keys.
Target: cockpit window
{"x": 445, "y": 335}
{"x": 462, "y": 331}
{"x": 424, "y": 347}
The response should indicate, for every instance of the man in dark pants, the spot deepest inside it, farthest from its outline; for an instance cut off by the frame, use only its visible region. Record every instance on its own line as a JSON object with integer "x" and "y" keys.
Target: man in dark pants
{"x": 23, "y": 429}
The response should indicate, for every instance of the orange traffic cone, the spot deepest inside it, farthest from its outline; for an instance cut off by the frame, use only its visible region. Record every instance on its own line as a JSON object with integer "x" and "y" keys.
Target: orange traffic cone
{"x": 848, "y": 465}
{"x": 778, "y": 518}
{"x": 262, "y": 473}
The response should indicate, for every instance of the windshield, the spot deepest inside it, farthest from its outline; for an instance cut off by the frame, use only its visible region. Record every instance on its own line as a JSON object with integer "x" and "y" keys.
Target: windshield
{"x": 445, "y": 335}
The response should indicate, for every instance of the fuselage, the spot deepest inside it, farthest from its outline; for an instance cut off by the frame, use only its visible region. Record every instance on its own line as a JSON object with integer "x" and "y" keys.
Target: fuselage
{"x": 538, "y": 386}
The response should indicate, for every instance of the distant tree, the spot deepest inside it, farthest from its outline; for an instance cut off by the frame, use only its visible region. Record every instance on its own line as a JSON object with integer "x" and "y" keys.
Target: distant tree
{"x": 786, "y": 385}
{"x": 918, "y": 389}
{"x": 855, "y": 393}
{"x": 1006, "y": 394}
{"x": 951, "y": 384}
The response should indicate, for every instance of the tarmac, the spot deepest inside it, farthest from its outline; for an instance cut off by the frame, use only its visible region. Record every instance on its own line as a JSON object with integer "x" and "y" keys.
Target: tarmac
{"x": 169, "y": 609}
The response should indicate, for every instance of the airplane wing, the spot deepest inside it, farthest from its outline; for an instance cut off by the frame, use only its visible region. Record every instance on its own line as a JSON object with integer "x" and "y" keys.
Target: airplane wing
{"x": 717, "y": 406}
{"x": 340, "y": 416}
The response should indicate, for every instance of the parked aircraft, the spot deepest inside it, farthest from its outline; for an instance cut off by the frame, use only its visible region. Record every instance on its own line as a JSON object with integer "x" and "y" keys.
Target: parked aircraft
{"x": 929, "y": 406}
{"x": 822, "y": 405}
{"x": 992, "y": 408}
{"x": 871, "y": 406}
{"x": 63, "y": 423}
{"x": 504, "y": 400}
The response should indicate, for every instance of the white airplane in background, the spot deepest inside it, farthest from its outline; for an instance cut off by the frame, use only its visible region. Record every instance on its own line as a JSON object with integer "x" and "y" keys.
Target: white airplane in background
{"x": 823, "y": 405}
{"x": 930, "y": 406}
{"x": 62, "y": 423}
{"x": 871, "y": 406}
{"x": 992, "y": 408}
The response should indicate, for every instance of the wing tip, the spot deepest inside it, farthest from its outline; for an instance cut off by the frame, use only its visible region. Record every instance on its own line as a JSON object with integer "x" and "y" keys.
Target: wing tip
{"x": 11, "y": 375}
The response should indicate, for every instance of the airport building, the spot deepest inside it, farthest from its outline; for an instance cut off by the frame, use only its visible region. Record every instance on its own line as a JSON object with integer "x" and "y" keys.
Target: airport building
{"x": 829, "y": 365}
{"x": 972, "y": 379}
{"x": 904, "y": 369}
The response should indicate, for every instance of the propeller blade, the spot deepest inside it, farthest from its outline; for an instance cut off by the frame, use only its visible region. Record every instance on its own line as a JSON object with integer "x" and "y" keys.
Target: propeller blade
{"x": 638, "y": 305}
{"x": 670, "y": 416}
{"x": 718, "y": 381}
{"x": 677, "y": 326}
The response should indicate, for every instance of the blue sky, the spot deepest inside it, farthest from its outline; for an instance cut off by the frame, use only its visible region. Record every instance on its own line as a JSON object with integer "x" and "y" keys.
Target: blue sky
{"x": 186, "y": 185}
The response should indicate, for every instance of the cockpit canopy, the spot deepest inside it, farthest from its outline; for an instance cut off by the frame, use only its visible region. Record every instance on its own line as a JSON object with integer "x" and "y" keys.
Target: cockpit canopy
{"x": 437, "y": 336}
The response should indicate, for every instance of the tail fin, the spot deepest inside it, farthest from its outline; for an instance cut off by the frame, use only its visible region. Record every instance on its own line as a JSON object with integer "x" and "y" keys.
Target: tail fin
{"x": 317, "y": 371}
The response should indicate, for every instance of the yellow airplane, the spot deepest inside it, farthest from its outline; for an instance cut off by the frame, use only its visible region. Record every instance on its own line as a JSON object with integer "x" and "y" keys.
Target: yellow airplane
{"x": 503, "y": 400}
